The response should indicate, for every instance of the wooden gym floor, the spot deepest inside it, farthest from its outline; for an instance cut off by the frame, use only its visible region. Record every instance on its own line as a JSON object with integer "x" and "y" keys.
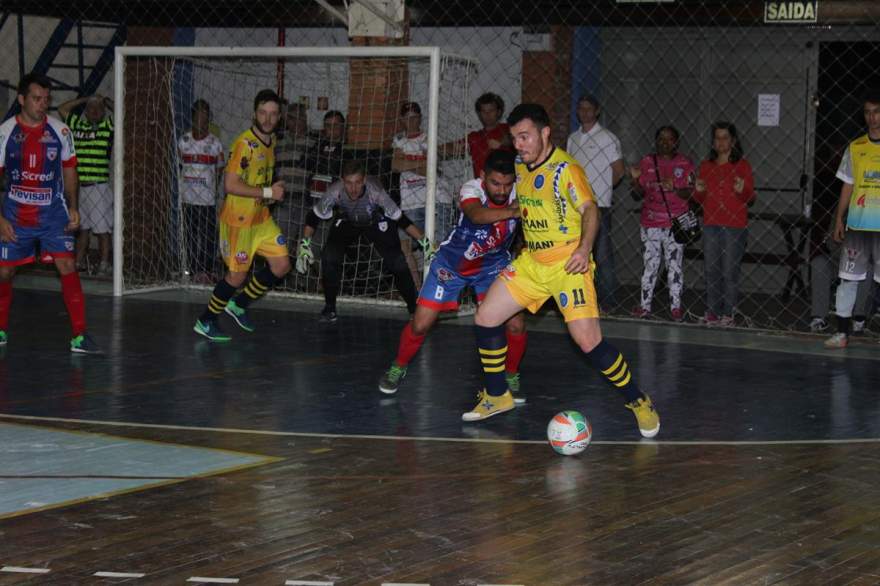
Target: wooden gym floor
{"x": 275, "y": 460}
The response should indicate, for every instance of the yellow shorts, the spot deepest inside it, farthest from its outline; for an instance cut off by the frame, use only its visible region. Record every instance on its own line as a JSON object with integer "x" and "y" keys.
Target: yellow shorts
{"x": 531, "y": 283}
{"x": 238, "y": 245}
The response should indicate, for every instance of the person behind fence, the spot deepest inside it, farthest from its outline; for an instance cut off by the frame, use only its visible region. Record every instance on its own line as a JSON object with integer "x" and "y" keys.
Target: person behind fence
{"x": 494, "y": 134}
{"x": 598, "y": 151}
{"x": 92, "y": 129}
{"x": 201, "y": 164}
{"x": 410, "y": 159}
{"x": 857, "y": 217}
{"x": 559, "y": 220}
{"x": 824, "y": 253}
{"x": 665, "y": 181}
{"x": 293, "y": 144}
{"x": 324, "y": 159}
{"x": 473, "y": 255}
{"x": 725, "y": 188}
{"x": 246, "y": 227}
{"x": 39, "y": 203}
{"x": 363, "y": 208}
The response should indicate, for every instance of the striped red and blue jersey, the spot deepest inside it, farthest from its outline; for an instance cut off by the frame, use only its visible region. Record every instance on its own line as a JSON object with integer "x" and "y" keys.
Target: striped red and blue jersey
{"x": 32, "y": 158}
{"x": 471, "y": 247}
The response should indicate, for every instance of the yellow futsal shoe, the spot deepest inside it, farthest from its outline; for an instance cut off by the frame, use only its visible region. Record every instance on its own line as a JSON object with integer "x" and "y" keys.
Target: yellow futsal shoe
{"x": 646, "y": 415}
{"x": 489, "y": 406}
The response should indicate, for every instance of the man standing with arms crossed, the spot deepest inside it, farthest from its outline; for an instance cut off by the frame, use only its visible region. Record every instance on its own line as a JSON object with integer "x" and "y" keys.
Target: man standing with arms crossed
{"x": 246, "y": 228}
{"x": 40, "y": 205}
{"x": 559, "y": 219}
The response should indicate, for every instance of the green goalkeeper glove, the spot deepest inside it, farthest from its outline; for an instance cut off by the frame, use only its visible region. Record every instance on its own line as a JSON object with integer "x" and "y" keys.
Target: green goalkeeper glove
{"x": 427, "y": 249}
{"x": 304, "y": 256}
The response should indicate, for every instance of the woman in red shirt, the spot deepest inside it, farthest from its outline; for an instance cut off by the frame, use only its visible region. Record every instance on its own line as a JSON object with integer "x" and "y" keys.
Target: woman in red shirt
{"x": 725, "y": 188}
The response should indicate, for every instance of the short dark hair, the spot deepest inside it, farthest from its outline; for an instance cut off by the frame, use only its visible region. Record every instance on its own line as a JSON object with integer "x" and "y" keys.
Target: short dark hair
{"x": 872, "y": 95}
{"x": 490, "y": 98}
{"x": 590, "y": 98}
{"x": 33, "y": 78}
{"x": 334, "y": 114}
{"x": 736, "y": 150}
{"x": 353, "y": 167}
{"x": 534, "y": 112}
{"x": 500, "y": 161}
{"x": 201, "y": 104}
{"x": 671, "y": 129}
{"x": 408, "y": 107}
{"x": 264, "y": 96}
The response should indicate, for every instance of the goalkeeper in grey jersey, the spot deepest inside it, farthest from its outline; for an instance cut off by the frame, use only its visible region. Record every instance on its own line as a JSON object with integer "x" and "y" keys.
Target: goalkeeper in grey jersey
{"x": 363, "y": 208}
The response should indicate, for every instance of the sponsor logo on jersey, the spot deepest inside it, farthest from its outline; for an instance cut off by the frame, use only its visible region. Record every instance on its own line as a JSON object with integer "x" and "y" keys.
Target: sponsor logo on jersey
{"x": 559, "y": 205}
{"x": 536, "y": 225}
{"x": 563, "y": 300}
{"x": 31, "y": 176}
{"x": 530, "y": 201}
{"x": 540, "y": 245}
{"x": 33, "y": 196}
{"x": 539, "y": 182}
{"x": 48, "y": 137}
{"x": 444, "y": 275}
{"x": 241, "y": 257}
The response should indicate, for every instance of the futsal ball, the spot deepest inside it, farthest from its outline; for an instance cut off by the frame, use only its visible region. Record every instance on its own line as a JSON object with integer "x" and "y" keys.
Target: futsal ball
{"x": 569, "y": 433}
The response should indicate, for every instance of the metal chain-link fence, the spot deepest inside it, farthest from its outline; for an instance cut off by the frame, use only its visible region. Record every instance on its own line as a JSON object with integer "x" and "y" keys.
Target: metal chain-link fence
{"x": 788, "y": 76}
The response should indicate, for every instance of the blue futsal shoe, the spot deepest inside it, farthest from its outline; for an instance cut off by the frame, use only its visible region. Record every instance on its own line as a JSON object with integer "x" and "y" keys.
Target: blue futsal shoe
{"x": 84, "y": 344}
{"x": 211, "y": 331}
{"x": 239, "y": 314}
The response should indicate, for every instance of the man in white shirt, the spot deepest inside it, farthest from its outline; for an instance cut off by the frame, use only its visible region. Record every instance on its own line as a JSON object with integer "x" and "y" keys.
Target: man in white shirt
{"x": 598, "y": 151}
{"x": 201, "y": 163}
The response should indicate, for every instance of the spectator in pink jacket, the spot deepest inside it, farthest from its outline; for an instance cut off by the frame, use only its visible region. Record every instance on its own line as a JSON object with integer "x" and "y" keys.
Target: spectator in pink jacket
{"x": 665, "y": 181}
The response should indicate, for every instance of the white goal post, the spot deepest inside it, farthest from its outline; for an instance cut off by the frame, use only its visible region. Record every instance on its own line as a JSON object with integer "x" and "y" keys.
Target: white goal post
{"x": 432, "y": 55}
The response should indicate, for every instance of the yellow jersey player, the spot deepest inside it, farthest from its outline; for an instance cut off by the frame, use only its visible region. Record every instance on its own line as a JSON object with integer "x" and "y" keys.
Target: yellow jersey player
{"x": 560, "y": 219}
{"x": 246, "y": 227}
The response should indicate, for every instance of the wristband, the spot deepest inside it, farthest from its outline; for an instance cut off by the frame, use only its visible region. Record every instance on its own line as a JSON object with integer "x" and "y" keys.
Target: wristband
{"x": 267, "y": 193}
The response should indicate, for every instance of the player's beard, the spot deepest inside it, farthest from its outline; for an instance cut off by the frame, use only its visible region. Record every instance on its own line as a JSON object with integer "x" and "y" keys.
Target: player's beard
{"x": 263, "y": 129}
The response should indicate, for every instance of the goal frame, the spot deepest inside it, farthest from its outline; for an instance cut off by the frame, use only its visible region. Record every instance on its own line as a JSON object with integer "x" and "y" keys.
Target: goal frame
{"x": 433, "y": 54}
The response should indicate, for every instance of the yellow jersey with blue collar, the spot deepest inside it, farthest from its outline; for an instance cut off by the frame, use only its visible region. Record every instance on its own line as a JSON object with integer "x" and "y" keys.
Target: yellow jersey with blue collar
{"x": 549, "y": 195}
{"x": 254, "y": 162}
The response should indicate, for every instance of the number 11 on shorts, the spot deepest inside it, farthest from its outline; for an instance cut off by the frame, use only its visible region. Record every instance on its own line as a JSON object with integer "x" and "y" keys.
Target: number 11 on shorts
{"x": 578, "y": 296}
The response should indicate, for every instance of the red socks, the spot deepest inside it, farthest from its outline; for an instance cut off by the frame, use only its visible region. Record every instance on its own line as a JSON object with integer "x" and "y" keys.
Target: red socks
{"x": 516, "y": 347}
{"x": 409, "y": 345}
{"x": 71, "y": 290}
{"x": 5, "y": 301}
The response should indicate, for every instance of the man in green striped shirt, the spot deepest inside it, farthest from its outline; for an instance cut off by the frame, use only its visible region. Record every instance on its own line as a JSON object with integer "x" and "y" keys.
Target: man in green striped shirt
{"x": 92, "y": 132}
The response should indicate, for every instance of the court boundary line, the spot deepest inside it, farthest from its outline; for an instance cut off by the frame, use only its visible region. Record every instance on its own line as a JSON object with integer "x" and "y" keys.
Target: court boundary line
{"x": 271, "y": 433}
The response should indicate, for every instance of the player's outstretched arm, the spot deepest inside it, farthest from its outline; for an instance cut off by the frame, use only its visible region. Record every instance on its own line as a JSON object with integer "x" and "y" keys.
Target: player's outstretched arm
{"x": 477, "y": 214}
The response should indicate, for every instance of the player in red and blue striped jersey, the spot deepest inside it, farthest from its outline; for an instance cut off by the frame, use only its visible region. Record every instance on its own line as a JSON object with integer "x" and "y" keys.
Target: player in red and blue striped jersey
{"x": 39, "y": 206}
{"x": 473, "y": 254}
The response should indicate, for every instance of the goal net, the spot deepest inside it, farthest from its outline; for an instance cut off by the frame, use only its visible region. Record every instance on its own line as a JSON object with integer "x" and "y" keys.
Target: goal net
{"x": 340, "y": 104}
